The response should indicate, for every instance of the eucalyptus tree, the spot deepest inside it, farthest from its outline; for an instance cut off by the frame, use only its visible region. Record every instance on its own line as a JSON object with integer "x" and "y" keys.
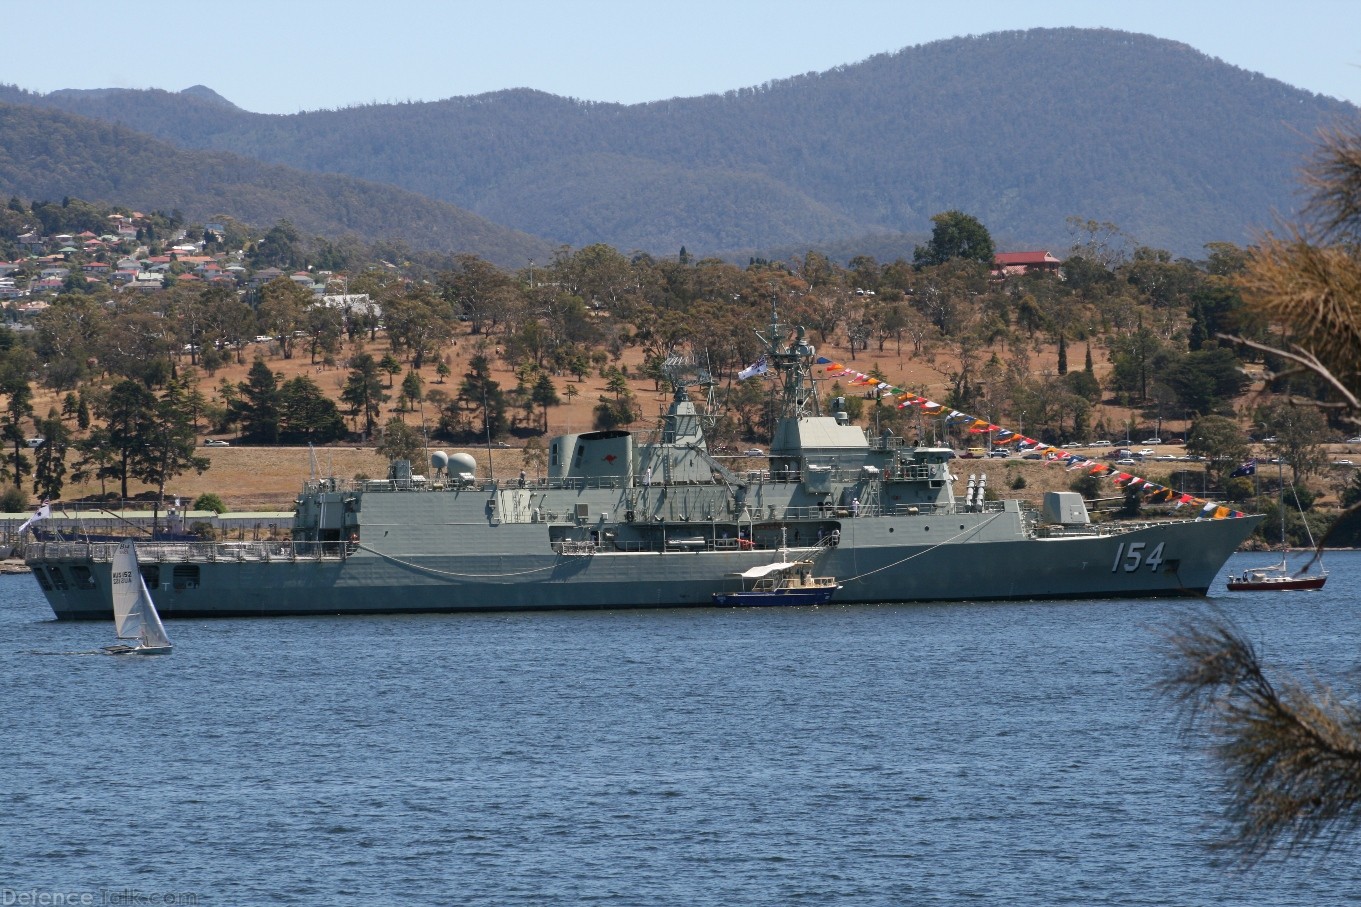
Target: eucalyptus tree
{"x": 1220, "y": 441}
{"x": 1300, "y": 431}
{"x": 66, "y": 338}
{"x": 400, "y": 442}
{"x": 325, "y": 328}
{"x": 227, "y": 321}
{"x": 478, "y": 290}
{"x": 283, "y": 311}
{"x": 419, "y": 322}
{"x": 598, "y": 274}
{"x": 136, "y": 344}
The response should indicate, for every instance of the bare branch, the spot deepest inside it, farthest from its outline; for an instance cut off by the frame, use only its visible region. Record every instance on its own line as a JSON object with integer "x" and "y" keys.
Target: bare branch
{"x": 1306, "y": 359}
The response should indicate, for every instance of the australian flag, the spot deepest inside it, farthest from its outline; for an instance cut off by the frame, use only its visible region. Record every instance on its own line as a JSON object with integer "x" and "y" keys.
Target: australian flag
{"x": 1247, "y": 469}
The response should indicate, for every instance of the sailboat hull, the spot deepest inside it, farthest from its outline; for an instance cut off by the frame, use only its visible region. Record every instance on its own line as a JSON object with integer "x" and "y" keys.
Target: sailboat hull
{"x": 137, "y": 650}
{"x": 1277, "y": 584}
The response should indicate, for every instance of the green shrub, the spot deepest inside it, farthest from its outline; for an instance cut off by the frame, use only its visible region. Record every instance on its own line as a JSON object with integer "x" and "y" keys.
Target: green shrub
{"x": 14, "y": 500}
{"x": 209, "y": 501}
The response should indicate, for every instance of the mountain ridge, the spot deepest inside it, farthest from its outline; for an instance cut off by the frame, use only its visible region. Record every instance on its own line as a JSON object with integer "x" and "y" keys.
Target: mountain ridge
{"x": 52, "y": 154}
{"x": 1022, "y": 129}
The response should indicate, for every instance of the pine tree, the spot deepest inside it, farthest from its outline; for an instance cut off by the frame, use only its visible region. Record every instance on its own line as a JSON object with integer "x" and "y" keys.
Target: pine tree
{"x": 364, "y": 391}
{"x": 1063, "y": 355}
{"x": 258, "y": 407}
{"x": 480, "y": 393}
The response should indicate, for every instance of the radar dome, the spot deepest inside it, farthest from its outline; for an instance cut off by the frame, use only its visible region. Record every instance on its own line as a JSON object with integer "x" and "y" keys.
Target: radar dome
{"x": 461, "y": 462}
{"x": 440, "y": 461}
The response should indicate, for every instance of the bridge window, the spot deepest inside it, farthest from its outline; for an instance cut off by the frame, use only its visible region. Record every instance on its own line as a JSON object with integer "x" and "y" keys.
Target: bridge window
{"x": 151, "y": 573}
{"x": 58, "y": 579}
{"x": 185, "y": 576}
{"x": 82, "y": 577}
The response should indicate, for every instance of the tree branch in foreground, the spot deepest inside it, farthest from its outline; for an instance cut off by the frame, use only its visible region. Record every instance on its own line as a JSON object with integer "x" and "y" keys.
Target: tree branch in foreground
{"x": 1292, "y": 757}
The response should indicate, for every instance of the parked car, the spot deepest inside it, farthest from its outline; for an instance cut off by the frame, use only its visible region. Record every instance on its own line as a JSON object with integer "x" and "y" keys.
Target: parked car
{"x": 1126, "y": 461}
{"x": 214, "y": 442}
{"x": 1352, "y": 441}
{"x": 1343, "y": 463}
{"x": 999, "y": 453}
{"x": 755, "y": 452}
{"x": 1153, "y": 441}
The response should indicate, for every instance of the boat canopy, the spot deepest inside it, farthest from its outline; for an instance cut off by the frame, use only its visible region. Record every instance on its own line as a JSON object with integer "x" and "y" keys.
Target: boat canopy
{"x": 767, "y": 569}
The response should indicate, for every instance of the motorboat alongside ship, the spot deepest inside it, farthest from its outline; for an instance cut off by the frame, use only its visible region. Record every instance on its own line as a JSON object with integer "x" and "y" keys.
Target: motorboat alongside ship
{"x": 627, "y": 521}
{"x": 782, "y": 583}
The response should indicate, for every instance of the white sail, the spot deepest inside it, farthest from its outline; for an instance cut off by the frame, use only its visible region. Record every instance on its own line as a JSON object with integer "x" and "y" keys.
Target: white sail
{"x": 128, "y": 587}
{"x": 134, "y": 614}
{"x": 153, "y": 632}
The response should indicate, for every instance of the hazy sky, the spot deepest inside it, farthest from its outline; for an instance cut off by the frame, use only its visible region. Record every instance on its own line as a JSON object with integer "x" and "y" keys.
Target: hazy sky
{"x": 288, "y": 55}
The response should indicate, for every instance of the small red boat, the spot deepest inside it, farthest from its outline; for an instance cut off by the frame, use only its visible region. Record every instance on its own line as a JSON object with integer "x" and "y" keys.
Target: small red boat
{"x": 1276, "y": 578}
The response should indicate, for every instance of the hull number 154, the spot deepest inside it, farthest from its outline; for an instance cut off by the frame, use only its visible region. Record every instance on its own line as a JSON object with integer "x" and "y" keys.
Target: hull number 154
{"x": 1132, "y": 557}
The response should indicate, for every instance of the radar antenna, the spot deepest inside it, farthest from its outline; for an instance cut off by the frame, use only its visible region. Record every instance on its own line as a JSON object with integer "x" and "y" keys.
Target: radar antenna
{"x": 684, "y": 371}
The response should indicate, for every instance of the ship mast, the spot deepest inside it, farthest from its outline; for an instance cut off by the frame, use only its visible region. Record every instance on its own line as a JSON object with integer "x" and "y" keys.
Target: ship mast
{"x": 792, "y": 359}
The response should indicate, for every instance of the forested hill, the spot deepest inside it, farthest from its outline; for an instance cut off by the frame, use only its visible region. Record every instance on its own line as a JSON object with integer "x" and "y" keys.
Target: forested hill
{"x": 1021, "y": 129}
{"x": 47, "y": 154}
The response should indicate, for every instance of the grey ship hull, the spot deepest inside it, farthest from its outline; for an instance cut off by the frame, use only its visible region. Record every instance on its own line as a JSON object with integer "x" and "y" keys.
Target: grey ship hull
{"x": 883, "y": 559}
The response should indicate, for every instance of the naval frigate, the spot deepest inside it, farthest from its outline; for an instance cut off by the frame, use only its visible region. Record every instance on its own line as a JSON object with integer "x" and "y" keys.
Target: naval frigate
{"x": 623, "y": 520}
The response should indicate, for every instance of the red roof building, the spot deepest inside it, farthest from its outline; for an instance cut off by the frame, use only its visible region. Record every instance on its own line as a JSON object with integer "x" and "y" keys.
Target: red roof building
{"x": 1010, "y": 264}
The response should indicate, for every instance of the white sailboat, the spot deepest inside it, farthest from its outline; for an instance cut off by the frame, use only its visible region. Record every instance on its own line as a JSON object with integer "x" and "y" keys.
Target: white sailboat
{"x": 134, "y": 614}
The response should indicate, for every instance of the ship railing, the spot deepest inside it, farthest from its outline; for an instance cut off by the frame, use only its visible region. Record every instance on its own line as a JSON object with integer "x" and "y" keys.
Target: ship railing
{"x": 173, "y": 552}
{"x": 373, "y": 486}
{"x": 1111, "y": 528}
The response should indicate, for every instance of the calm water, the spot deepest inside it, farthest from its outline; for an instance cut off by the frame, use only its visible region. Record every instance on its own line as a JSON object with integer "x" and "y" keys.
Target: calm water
{"x": 954, "y": 754}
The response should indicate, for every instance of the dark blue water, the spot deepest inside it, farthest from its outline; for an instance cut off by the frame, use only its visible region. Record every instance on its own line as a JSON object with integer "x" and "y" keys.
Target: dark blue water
{"x": 953, "y": 754}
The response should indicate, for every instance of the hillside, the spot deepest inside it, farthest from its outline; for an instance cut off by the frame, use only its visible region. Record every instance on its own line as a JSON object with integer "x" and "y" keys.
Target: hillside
{"x": 1022, "y": 129}
{"x": 49, "y": 154}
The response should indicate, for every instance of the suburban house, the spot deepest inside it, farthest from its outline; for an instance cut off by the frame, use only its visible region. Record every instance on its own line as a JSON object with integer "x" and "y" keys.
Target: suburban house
{"x": 1014, "y": 264}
